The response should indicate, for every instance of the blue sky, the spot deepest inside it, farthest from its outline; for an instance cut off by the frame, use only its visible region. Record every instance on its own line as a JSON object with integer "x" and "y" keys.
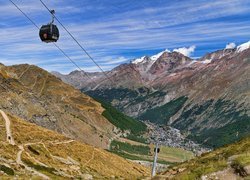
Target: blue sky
{"x": 117, "y": 31}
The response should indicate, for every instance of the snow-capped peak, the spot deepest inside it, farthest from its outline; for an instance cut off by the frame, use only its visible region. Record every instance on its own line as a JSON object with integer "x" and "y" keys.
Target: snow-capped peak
{"x": 138, "y": 60}
{"x": 243, "y": 46}
{"x": 152, "y": 58}
{"x": 156, "y": 56}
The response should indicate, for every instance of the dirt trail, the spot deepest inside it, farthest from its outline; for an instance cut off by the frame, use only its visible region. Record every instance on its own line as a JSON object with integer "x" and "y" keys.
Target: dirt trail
{"x": 9, "y": 137}
{"x": 44, "y": 83}
{"x": 64, "y": 142}
{"x": 21, "y": 75}
{"x": 92, "y": 157}
{"x": 19, "y": 161}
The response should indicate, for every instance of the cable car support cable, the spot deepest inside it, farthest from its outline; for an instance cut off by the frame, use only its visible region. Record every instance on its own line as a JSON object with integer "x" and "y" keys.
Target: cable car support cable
{"x": 84, "y": 50}
{"x": 73, "y": 62}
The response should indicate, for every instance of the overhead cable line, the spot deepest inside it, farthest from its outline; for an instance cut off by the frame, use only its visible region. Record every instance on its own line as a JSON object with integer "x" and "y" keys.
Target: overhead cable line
{"x": 24, "y": 14}
{"x": 73, "y": 62}
{"x": 83, "y": 49}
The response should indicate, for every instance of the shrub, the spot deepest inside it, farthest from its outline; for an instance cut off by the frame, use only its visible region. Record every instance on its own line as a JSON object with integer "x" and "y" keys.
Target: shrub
{"x": 7, "y": 170}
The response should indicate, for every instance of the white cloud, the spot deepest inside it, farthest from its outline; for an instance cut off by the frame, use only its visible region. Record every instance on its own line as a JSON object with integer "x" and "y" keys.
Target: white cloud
{"x": 185, "y": 51}
{"x": 230, "y": 46}
{"x": 113, "y": 60}
{"x": 96, "y": 69}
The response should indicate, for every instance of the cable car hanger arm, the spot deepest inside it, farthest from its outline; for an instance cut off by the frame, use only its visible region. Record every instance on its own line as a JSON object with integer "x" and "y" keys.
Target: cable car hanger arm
{"x": 52, "y": 16}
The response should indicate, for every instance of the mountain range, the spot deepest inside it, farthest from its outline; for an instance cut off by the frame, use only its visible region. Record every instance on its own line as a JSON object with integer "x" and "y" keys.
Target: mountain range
{"x": 206, "y": 98}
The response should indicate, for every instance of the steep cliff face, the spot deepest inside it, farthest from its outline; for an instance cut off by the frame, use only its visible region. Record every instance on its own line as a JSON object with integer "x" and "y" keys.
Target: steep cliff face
{"x": 206, "y": 98}
{"x": 39, "y": 97}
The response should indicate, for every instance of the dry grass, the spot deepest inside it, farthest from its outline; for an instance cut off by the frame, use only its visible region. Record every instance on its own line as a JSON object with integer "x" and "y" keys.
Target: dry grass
{"x": 174, "y": 154}
{"x": 2, "y": 129}
{"x": 8, "y": 151}
{"x": 51, "y": 153}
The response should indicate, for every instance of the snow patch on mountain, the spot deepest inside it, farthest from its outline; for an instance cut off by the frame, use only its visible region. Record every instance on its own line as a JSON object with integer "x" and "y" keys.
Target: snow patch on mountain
{"x": 138, "y": 60}
{"x": 152, "y": 58}
{"x": 243, "y": 46}
{"x": 156, "y": 56}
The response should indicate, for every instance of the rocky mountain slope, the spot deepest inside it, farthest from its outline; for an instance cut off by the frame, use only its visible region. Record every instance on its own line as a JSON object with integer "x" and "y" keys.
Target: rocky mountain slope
{"x": 207, "y": 99}
{"x": 29, "y": 151}
{"x": 229, "y": 162}
{"x": 37, "y": 96}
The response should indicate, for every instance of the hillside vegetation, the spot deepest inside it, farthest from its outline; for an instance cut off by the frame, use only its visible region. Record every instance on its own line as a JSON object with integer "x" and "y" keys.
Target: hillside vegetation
{"x": 124, "y": 122}
{"x": 228, "y": 162}
{"x": 236, "y": 120}
{"x": 162, "y": 114}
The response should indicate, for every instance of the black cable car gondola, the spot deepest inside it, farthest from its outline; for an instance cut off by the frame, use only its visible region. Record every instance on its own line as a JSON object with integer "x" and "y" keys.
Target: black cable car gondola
{"x": 49, "y": 33}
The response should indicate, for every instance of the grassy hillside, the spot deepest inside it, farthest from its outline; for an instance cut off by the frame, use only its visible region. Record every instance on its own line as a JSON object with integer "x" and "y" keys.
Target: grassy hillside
{"x": 144, "y": 152}
{"x": 132, "y": 149}
{"x": 39, "y": 153}
{"x": 175, "y": 154}
{"x": 231, "y": 161}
